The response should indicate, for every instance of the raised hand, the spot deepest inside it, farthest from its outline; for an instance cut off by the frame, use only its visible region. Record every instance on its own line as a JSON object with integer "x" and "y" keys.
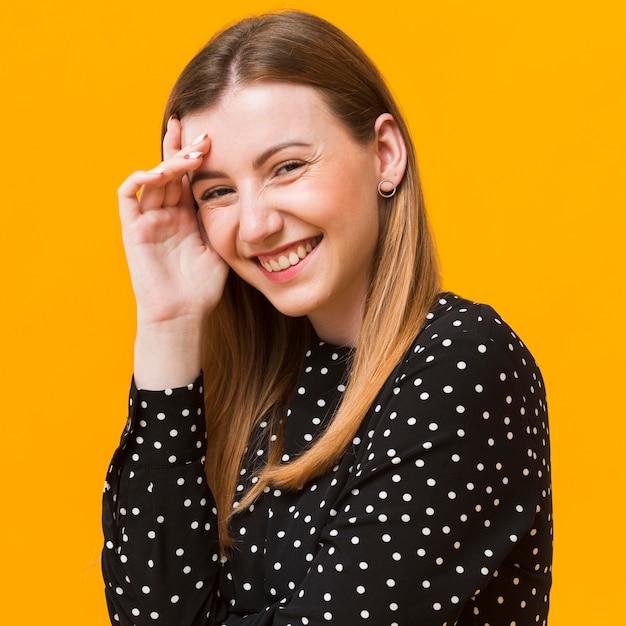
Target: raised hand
{"x": 177, "y": 278}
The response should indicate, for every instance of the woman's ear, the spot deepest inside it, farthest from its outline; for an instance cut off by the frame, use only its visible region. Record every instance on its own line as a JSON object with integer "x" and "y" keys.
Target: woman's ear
{"x": 390, "y": 148}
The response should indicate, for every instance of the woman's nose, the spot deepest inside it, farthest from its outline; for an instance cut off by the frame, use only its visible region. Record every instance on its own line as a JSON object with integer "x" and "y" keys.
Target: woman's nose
{"x": 258, "y": 218}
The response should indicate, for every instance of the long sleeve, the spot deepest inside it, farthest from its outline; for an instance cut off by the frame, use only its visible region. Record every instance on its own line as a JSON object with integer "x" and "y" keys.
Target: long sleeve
{"x": 160, "y": 560}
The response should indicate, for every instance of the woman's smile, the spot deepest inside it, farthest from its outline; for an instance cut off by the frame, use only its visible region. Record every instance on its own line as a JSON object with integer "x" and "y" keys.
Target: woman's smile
{"x": 288, "y": 257}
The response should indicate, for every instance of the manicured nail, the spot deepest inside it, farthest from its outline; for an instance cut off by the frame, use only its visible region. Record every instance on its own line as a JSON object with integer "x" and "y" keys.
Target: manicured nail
{"x": 193, "y": 155}
{"x": 199, "y": 139}
{"x": 156, "y": 171}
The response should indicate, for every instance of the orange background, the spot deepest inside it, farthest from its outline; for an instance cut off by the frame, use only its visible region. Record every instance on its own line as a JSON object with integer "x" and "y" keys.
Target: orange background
{"x": 518, "y": 111}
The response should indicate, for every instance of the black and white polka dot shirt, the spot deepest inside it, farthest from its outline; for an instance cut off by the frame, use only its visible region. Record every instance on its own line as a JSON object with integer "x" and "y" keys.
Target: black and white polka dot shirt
{"x": 438, "y": 514}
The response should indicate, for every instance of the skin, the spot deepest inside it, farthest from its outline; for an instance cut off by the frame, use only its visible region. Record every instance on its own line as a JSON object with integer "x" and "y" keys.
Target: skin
{"x": 274, "y": 173}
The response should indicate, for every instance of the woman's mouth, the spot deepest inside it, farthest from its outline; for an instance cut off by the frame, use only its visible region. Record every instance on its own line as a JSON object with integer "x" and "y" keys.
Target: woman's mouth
{"x": 289, "y": 257}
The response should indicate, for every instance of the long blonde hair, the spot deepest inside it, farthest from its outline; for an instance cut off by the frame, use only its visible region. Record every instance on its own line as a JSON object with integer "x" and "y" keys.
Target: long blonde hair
{"x": 253, "y": 352}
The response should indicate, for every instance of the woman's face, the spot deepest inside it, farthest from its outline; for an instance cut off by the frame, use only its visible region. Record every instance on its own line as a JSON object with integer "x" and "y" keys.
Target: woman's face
{"x": 289, "y": 200}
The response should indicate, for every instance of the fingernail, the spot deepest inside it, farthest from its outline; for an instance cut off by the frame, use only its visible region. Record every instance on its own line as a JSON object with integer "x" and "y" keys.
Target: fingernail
{"x": 157, "y": 170}
{"x": 193, "y": 155}
{"x": 199, "y": 139}
{"x": 172, "y": 117}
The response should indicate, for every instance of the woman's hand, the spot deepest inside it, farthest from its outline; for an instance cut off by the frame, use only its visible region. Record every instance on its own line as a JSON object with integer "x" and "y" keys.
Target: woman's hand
{"x": 175, "y": 274}
{"x": 177, "y": 277}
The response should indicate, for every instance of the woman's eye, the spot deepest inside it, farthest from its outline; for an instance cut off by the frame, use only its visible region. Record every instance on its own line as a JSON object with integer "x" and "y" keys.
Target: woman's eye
{"x": 288, "y": 167}
{"x": 215, "y": 192}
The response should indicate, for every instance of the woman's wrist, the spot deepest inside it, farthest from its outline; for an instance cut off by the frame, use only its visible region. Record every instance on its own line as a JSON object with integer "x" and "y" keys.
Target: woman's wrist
{"x": 168, "y": 354}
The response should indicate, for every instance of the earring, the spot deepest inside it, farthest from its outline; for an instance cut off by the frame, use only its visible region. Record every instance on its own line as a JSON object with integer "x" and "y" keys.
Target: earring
{"x": 386, "y": 194}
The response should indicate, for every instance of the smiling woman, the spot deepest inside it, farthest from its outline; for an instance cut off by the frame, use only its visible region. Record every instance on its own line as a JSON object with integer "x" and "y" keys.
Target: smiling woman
{"x": 296, "y": 220}
{"x": 315, "y": 432}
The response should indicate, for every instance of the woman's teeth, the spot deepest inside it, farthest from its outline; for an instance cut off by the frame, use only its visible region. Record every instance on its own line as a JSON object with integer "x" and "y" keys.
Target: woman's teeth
{"x": 294, "y": 257}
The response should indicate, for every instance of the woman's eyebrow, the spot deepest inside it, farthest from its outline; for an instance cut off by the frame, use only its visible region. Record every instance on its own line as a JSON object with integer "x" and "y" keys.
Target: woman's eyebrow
{"x": 264, "y": 156}
{"x": 196, "y": 176}
{"x": 199, "y": 175}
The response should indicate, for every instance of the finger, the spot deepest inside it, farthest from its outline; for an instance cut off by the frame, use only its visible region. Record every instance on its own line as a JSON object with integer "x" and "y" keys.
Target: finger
{"x": 187, "y": 198}
{"x": 203, "y": 233}
{"x": 162, "y": 187}
{"x": 128, "y": 191}
{"x": 172, "y": 139}
{"x": 177, "y": 190}
{"x": 193, "y": 154}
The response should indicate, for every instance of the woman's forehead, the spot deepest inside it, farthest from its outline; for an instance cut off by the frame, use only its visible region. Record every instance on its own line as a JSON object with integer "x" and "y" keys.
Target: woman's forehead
{"x": 260, "y": 108}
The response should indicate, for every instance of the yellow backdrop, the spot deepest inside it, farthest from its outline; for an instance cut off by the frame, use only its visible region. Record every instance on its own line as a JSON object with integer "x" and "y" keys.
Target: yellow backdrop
{"x": 518, "y": 111}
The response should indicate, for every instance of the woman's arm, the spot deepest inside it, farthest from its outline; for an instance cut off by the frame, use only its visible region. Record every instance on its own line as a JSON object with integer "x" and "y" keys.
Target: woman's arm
{"x": 177, "y": 278}
{"x": 161, "y": 554}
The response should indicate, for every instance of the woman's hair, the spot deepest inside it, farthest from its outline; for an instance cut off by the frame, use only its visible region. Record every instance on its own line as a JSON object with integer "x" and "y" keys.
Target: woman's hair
{"x": 252, "y": 351}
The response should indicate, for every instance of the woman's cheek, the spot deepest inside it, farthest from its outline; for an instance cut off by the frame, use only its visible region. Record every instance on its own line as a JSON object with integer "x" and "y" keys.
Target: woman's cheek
{"x": 221, "y": 232}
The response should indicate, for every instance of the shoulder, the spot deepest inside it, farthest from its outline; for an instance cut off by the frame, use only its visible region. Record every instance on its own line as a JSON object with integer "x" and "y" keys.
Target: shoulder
{"x": 467, "y": 388}
{"x": 458, "y": 332}
{"x": 466, "y": 363}
{"x": 467, "y": 382}
{"x": 452, "y": 314}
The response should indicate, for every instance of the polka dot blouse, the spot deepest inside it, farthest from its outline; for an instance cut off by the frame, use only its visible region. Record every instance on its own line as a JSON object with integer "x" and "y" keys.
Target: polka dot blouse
{"x": 438, "y": 514}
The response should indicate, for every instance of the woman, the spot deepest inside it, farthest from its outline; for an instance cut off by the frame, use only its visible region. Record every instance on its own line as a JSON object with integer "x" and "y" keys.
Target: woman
{"x": 377, "y": 452}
